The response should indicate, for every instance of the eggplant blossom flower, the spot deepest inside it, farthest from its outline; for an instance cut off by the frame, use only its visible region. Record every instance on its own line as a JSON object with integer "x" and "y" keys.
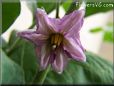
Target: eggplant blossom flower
{"x": 57, "y": 40}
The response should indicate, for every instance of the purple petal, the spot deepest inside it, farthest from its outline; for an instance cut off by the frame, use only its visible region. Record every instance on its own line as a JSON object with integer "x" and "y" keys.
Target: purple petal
{"x": 57, "y": 23}
{"x": 38, "y": 53}
{"x": 74, "y": 49}
{"x": 60, "y": 62}
{"x": 43, "y": 55}
{"x": 73, "y": 22}
{"x": 44, "y": 26}
{"x": 33, "y": 37}
{"x": 52, "y": 57}
{"x": 76, "y": 37}
{"x": 75, "y": 29}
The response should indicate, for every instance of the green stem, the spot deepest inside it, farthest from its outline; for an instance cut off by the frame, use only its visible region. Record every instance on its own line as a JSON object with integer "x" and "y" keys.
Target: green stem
{"x": 40, "y": 76}
{"x": 57, "y": 8}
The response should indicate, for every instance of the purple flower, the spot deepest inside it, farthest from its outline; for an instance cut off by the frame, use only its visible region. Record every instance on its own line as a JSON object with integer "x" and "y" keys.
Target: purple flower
{"x": 57, "y": 40}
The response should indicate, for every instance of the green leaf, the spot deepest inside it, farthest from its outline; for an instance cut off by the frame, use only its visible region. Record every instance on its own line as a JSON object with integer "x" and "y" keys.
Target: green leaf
{"x": 96, "y": 7}
{"x": 2, "y": 42}
{"x": 10, "y": 11}
{"x": 92, "y": 7}
{"x": 48, "y": 5}
{"x": 108, "y": 33}
{"x": 108, "y": 36}
{"x": 67, "y": 4}
{"x": 95, "y": 70}
{"x": 95, "y": 30}
{"x": 71, "y": 5}
{"x": 11, "y": 72}
{"x": 24, "y": 55}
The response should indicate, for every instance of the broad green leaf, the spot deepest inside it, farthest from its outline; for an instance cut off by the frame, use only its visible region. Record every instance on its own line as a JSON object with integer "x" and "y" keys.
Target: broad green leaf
{"x": 24, "y": 55}
{"x": 10, "y": 11}
{"x": 95, "y": 70}
{"x": 95, "y": 30}
{"x": 11, "y": 72}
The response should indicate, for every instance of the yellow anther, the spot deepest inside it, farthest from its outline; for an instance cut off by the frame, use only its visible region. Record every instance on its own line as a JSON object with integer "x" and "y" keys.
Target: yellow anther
{"x": 56, "y": 39}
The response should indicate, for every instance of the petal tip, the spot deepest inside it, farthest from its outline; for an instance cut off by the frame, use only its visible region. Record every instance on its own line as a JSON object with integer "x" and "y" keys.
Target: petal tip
{"x": 82, "y": 58}
{"x": 40, "y": 11}
{"x": 82, "y": 11}
{"x": 21, "y": 34}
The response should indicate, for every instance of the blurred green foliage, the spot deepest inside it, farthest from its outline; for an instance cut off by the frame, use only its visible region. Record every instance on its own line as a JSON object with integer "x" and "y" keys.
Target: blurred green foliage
{"x": 95, "y": 30}
{"x": 11, "y": 72}
{"x": 108, "y": 37}
{"x": 10, "y": 11}
{"x": 108, "y": 33}
{"x": 24, "y": 55}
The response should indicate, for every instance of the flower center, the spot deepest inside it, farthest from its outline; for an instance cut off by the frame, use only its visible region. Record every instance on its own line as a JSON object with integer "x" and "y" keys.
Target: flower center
{"x": 55, "y": 40}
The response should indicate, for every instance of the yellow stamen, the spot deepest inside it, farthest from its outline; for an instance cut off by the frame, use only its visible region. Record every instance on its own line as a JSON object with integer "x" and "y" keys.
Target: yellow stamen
{"x": 56, "y": 39}
{"x": 52, "y": 39}
{"x": 59, "y": 40}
